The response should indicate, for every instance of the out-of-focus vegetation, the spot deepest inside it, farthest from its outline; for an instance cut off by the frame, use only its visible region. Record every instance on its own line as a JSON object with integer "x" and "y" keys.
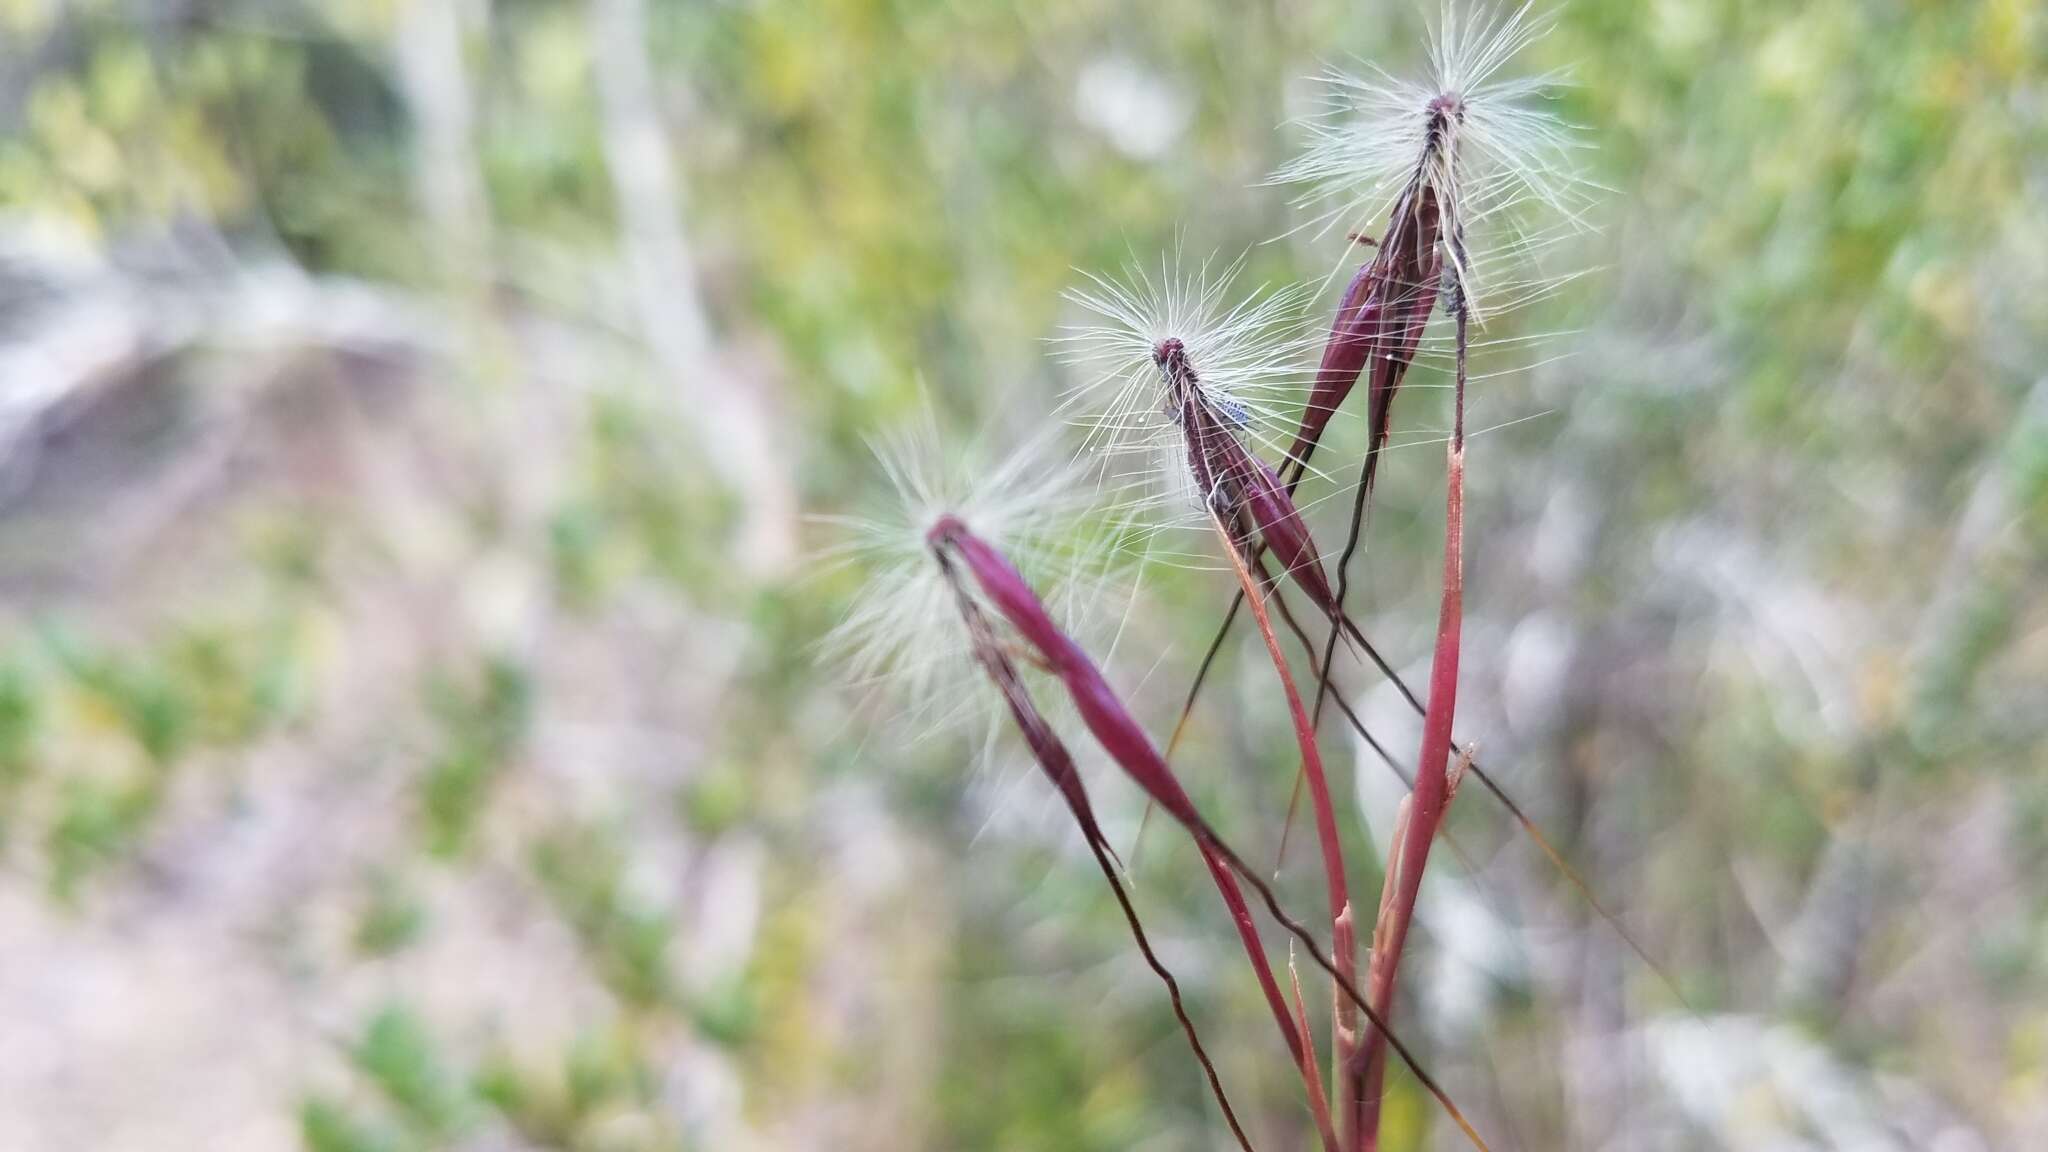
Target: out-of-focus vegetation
{"x": 411, "y": 730}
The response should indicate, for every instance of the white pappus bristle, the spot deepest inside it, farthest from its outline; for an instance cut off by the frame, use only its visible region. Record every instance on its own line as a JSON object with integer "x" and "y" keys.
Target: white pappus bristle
{"x": 1497, "y": 159}
{"x": 1251, "y": 358}
{"x": 904, "y": 631}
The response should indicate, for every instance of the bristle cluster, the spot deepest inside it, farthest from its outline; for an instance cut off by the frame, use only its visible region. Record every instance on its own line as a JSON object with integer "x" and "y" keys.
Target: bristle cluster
{"x": 905, "y": 630}
{"x": 1484, "y": 145}
{"x": 1161, "y": 340}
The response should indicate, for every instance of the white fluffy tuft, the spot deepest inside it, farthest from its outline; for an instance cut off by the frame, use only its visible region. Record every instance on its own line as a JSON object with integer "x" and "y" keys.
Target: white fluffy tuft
{"x": 1250, "y": 357}
{"x": 904, "y": 631}
{"x": 1504, "y": 159}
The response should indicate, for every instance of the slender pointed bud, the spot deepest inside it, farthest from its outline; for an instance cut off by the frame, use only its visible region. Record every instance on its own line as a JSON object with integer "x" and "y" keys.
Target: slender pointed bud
{"x": 1346, "y": 1035}
{"x": 1485, "y": 145}
{"x": 1347, "y": 931}
{"x": 1097, "y": 703}
{"x": 1344, "y": 357}
{"x": 1284, "y": 533}
{"x": 1379, "y": 322}
{"x": 1443, "y": 156}
{"x": 1413, "y": 270}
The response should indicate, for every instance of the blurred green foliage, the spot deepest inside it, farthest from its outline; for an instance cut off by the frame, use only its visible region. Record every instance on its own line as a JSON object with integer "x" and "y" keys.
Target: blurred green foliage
{"x": 580, "y": 870}
{"x": 91, "y": 736}
{"x": 480, "y": 727}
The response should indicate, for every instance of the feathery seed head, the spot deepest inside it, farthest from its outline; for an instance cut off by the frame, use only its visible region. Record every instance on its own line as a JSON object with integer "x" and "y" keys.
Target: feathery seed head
{"x": 906, "y": 628}
{"x": 1479, "y": 145}
{"x": 1167, "y": 344}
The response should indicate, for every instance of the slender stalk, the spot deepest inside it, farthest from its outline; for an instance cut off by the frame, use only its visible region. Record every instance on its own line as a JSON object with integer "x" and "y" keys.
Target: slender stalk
{"x": 1527, "y": 823}
{"x": 1345, "y": 984}
{"x": 1428, "y": 802}
{"x": 1180, "y": 1012}
{"x": 1300, "y": 1044}
{"x": 1343, "y": 946}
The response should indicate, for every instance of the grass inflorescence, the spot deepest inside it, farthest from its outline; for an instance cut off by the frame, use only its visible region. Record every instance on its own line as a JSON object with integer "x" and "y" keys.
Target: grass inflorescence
{"x": 1200, "y": 405}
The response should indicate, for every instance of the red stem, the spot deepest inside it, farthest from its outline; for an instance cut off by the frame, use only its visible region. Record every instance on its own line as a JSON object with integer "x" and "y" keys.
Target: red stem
{"x": 1428, "y": 801}
{"x": 1343, "y": 946}
{"x": 1298, "y": 1043}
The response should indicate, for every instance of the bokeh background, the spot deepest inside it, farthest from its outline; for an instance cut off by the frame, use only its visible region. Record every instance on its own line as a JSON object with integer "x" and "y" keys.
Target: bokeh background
{"x": 413, "y": 729}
